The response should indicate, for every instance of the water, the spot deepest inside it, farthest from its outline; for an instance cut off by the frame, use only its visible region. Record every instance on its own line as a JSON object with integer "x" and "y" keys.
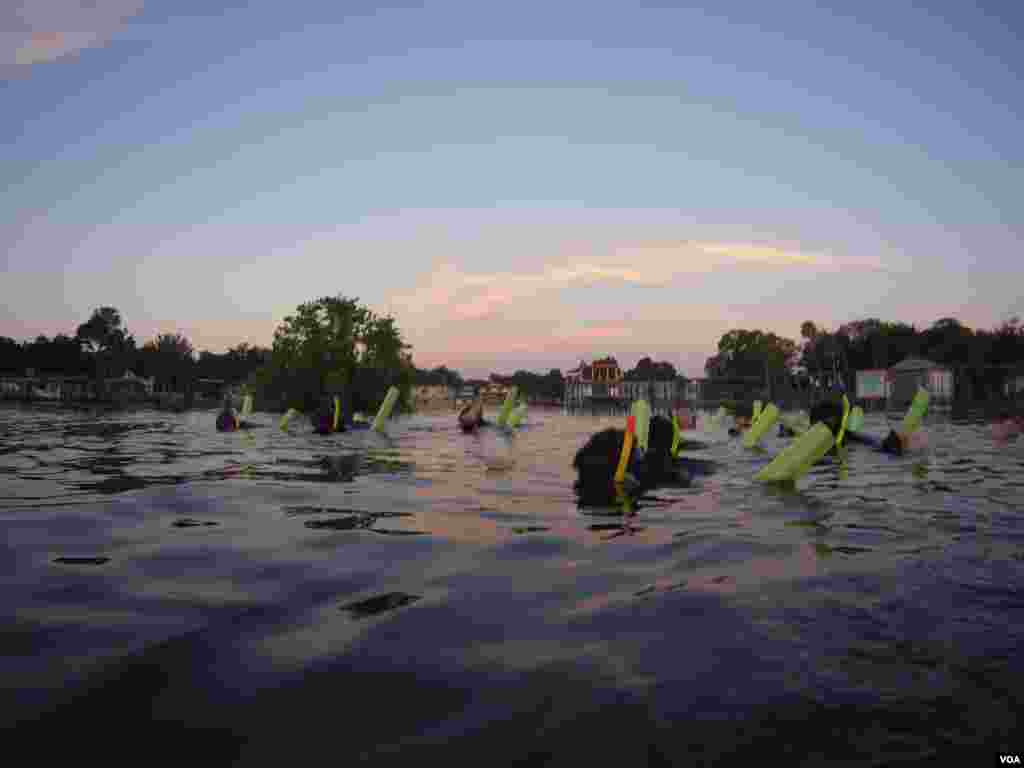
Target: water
{"x": 258, "y": 597}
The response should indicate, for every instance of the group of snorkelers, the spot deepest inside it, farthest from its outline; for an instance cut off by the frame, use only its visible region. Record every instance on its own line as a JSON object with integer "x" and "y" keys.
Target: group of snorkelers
{"x": 326, "y": 418}
{"x": 613, "y": 458}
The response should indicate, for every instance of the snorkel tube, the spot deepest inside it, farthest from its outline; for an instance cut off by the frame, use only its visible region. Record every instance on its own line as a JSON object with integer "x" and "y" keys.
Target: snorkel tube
{"x": 846, "y": 418}
{"x": 627, "y": 450}
{"x": 856, "y": 419}
{"x": 506, "y": 407}
{"x": 677, "y": 435}
{"x": 337, "y": 412}
{"x": 286, "y": 419}
{"x": 915, "y": 413}
{"x": 517, "y": 416}
{"x": 385, "y": 409}
{"x": 642, "y": 414}
{"x": 798, "y": 457}
{"x": 762, "y": 423}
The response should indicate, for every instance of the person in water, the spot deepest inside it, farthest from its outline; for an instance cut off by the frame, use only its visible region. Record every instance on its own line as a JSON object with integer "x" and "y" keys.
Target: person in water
{"x": 323, "y": 417}
{"x": 228, "y": 419}
{"x": 743, "y": 418}
{"x": 597, "y": 461}
{"x": 472, "y": 416}
{"x": 830, "y": 413}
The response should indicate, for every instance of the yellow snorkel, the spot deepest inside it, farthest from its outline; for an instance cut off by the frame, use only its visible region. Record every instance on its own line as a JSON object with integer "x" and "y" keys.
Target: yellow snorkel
{"x": 337, "y": 412}
{"x": 846, "y": 417}
{"x": 677, "y": 435}
{"x": 627, "y": 449}
{"x": 765, "y": 418}
{"x": 288, "y": 416}
{"x": 915, "y": 414}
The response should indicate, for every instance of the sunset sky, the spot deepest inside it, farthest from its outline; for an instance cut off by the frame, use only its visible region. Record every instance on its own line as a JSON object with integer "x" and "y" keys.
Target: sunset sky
{"x": 520, "y": 184}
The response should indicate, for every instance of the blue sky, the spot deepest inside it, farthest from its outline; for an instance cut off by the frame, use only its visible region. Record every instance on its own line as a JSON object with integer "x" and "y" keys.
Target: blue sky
{"x": 521, "y": 185}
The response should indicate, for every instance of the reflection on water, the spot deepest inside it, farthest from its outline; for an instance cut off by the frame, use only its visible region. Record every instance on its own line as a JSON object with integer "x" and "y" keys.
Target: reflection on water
{"x": 425, "y": 589}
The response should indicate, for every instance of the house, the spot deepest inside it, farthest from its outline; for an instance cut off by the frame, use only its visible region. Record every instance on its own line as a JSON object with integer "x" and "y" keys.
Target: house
{"x": 873, "y": 384}
{"x": 579, "y": 383}
{"x": 607, "y": 378}
{"x": 915, "y": 372}
{"x": 657, "y": 385}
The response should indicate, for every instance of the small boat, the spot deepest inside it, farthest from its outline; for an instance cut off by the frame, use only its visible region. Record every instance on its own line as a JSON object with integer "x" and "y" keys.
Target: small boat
{"x": 472, "y": 415}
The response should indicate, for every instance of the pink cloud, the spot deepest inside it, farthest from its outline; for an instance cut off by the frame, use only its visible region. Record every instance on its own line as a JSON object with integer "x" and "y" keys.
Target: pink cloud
{"x": 45, "y": 30}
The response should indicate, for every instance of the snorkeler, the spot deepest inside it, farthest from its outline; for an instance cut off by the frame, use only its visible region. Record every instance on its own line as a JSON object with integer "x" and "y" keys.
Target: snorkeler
{"x": 325, "y": 419}
{"x": 830, "y": 413}
{"x": 228, "y": 419}
{"x": 743, "y": 418}
{"x": 597, "y": 461}
{"x": 472, "y": 415}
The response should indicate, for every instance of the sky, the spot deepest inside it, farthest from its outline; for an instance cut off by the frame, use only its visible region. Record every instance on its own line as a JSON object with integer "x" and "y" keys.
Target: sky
{"x": 521, "y": 185}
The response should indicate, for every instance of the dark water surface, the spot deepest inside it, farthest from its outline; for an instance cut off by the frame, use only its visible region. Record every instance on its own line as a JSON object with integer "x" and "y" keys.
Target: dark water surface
{"x": 264, "y": 597}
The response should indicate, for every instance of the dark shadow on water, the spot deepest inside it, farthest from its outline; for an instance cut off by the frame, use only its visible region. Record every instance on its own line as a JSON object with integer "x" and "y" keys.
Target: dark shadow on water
{"x": 82, "y": 560}
{"x": 188, "y": 522}
{"x": 352, "y": 523}
{"x": 381, "y": 603}
{"x": 396, "y": 532}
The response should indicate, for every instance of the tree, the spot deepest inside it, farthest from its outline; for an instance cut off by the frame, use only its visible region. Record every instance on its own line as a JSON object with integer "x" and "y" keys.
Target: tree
{"x": 106, "y": 340}
{"x": 169, "y": 359}
{"x": 751, "y": 353}
{"x": 12, "y": 356}
{"x": 333, "y": 344}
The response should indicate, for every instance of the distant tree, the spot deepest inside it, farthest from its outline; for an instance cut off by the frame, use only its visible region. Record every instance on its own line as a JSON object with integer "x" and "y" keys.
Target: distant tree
{"x": 648, "y": 370}
{"x": 12, "y": 357}
{"x": 107, "y": 342}
{"x": 169, "y": 359}
{"x": 744, "y": 352}
{"x": 333, "y": 344}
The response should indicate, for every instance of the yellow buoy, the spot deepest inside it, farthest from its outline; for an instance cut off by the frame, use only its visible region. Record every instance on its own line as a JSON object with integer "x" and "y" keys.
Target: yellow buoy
{"x": 916, "y": 412}
{"x": 506, "y": 407}
{"x": 846, "y": 417}
{"x": 517, "y": 415}
{"x": 286, "y": 419}
{"x": 627, "y": 450}
{"x": 856, "y": 419}
{"x": 763, "y": 423}
{"x": 799, "y": 456}
{"x": 642, "y": 412}
{"x": 385, "y": 409}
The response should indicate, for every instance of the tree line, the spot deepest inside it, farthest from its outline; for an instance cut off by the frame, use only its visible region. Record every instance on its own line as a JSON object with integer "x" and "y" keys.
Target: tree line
{"x": 982, "y": 358}
{"x": 103, "y": 348}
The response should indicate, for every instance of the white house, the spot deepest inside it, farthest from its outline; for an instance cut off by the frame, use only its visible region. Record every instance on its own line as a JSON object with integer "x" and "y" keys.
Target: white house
{"x": 914, "y": 372}
{"x": 873, "y": 384}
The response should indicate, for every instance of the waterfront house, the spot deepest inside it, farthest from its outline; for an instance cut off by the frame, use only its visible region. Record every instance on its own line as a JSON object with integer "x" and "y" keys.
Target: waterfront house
{"x": 873, "y": 384}
{"x": 914, "y": 372}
